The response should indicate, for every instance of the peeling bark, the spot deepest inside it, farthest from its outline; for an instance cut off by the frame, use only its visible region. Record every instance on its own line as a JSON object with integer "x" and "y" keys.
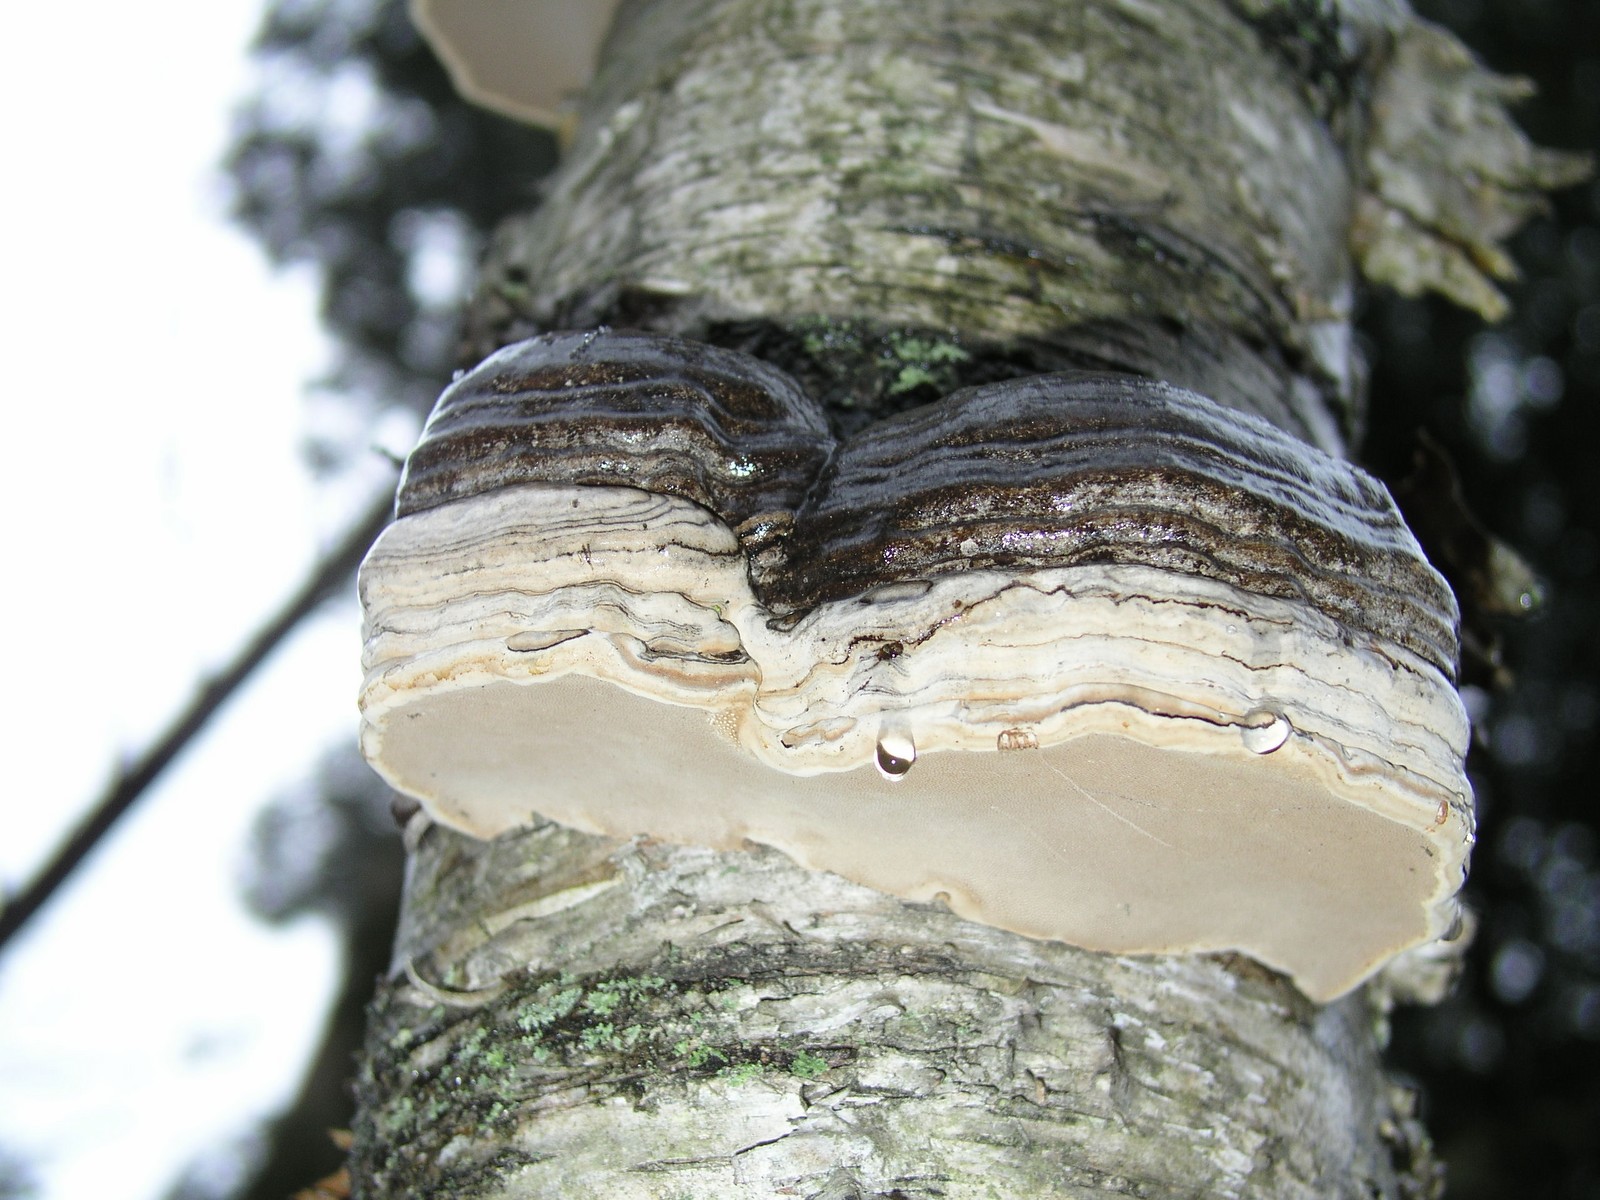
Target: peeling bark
{"x": 1448, "y": 176}
{"x": 1094, "y": 185}
{"x": 892, "y": 201}
{"x": 650, "y": 1021}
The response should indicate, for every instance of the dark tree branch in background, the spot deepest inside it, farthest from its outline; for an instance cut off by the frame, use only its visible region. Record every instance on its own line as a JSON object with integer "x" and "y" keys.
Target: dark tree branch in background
{"x": 331, "y": 574}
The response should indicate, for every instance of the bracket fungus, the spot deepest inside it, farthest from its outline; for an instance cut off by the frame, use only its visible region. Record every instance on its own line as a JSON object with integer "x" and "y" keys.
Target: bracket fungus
{"x": 1084, "y": 656}
{"x": 522, "y": 58}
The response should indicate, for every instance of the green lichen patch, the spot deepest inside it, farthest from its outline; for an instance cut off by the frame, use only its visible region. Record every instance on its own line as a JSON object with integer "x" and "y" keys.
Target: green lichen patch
{"x": 697, "y": 1055}
{"x": 549, "y": 1004}
{"x": 743, "y": 1072}
{"x": 437, "y": 1079}
{"x": 806, "y": 1065}
{"x": 924, "y": 362}
{"x": 861, "y": 370}
{"x": 740, "y": 1062}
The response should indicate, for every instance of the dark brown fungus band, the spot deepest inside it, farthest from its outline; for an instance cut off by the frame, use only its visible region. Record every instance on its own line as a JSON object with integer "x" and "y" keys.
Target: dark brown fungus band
{"x": 1093, "y": 657}
{"x": 1059, "y": 470}
{"x": 665, "y": 415}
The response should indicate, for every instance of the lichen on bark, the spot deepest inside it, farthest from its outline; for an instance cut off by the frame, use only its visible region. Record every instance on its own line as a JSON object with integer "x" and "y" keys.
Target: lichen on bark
{"x": 894, "y": 201}
{"x": 725, "y": 1024}
{"x": 1091, "y": 185}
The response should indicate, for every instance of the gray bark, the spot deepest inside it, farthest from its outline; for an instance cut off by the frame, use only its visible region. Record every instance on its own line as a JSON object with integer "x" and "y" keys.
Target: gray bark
{"x": 892, "y": 200}
{"x": 1087, "y": 184}
{"x": 638, "y": 1020}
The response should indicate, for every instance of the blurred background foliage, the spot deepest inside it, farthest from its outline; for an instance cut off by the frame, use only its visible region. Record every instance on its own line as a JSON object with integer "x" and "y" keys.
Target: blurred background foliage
{"x": 355, "y": 155}
{"x": 1510, "y": 1063}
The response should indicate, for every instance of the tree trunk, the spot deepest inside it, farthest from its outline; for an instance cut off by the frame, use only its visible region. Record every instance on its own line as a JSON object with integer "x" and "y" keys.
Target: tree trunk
{"x": 892, "y": 201}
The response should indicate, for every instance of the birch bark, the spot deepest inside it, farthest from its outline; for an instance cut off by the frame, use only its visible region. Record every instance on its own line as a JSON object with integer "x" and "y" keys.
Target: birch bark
{"x": 893, "y": 200}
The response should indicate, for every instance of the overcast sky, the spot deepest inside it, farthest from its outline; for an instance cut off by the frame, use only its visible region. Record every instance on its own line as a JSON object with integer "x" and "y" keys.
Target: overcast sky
{"x": 157, "y": 509}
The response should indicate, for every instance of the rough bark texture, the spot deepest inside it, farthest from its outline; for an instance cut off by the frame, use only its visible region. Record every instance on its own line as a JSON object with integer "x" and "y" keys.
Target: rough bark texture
{"x": 653, "y": 1021}
{"x": 1090, "y": 184}
{"x": 891, "y": 201}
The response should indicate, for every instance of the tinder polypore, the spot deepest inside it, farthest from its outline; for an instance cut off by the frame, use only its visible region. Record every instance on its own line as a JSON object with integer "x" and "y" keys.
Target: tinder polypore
{"x": 1082, "y": 656}
{"x": 525, "y": 59}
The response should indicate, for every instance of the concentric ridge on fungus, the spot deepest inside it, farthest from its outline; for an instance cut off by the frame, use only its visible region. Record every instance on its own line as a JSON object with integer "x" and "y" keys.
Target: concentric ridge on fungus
{"x": 1148, "y": 674}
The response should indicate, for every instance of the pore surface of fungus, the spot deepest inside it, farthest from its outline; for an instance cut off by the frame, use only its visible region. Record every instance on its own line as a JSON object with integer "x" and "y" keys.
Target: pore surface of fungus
{"x": 523, "y": 58}
{"x": 1086, "y": 657}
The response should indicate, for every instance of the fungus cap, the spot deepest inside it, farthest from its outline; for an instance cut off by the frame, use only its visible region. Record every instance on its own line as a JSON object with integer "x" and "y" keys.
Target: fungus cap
{"x": 522, "y": 58}
{"x": 1085, "y": 657}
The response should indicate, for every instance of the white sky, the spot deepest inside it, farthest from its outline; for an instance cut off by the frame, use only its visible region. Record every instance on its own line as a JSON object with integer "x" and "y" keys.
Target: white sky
{"x": 157, "y": 510}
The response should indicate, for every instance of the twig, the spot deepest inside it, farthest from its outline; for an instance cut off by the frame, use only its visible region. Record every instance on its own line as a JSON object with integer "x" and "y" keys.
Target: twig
{"x": 334, "y": 569}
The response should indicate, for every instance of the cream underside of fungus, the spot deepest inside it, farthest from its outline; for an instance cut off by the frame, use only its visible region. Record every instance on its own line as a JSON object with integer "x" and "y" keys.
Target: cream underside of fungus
{"x": 525, "y": 59}
{"x": 1125, "y": 757}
